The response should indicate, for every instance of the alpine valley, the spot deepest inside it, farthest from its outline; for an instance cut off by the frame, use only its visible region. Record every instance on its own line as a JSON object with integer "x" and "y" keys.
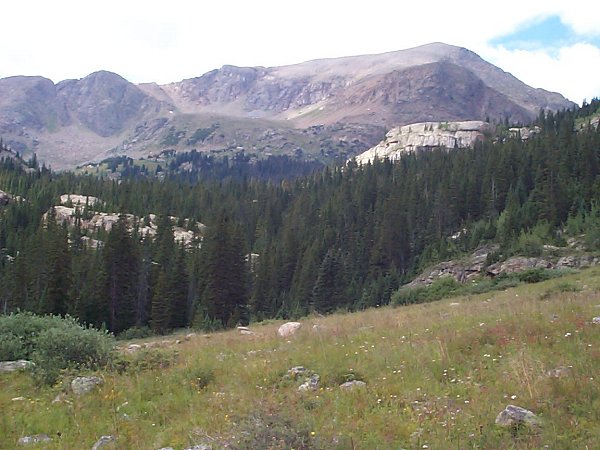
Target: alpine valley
{"x": 375, "y": 252}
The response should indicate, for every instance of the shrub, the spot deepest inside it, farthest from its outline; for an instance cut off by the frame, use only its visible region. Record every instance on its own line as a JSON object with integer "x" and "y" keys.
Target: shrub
{"x": 26, "y": 327}
{"x": 54, "y": 344}
{"x": 444, "y": 287}
{"x": 69, "y": 347}
{"x": 11, "y": 347}
{"x": 534, "y": 275}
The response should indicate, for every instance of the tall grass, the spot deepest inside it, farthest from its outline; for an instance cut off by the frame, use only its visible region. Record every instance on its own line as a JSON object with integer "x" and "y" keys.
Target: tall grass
{"x": 437, "y": 375}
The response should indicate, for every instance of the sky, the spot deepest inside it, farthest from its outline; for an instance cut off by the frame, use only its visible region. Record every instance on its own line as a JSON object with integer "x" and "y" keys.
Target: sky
{"x": 550, "y": 44}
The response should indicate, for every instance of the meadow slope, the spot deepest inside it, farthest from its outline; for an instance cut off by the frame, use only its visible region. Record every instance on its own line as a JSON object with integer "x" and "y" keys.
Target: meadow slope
{"x": 436, "y": 375}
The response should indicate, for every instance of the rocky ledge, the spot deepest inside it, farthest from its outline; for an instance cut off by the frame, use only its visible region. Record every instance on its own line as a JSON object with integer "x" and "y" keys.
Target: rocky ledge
{"x": 426, "y": 135}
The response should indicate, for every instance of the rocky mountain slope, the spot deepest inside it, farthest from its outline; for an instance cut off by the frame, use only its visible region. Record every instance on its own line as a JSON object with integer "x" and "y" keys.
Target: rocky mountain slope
{"x": 341, "y": 106}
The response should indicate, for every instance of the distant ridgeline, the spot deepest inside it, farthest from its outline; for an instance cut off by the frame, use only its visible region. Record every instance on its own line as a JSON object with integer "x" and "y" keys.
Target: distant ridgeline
{"x": 339, "y": 238}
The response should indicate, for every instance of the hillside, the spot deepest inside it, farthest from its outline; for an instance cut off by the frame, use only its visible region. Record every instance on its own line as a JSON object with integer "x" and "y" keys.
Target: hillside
{"x": 436, "y": 375}
{"x": 317, "y": 109}
{"x": 283, "y": 240}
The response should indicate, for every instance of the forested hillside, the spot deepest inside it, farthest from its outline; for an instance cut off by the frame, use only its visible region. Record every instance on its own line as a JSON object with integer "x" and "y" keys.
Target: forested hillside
{"x": 343, "y": 237}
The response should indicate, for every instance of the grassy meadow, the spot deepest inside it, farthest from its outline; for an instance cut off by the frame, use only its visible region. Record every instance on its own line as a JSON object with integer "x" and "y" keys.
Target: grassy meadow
{"x": 437, "y": 375}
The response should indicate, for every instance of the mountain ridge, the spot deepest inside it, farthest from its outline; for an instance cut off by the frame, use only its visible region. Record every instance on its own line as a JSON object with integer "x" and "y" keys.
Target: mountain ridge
{"x": 352, "y": 100}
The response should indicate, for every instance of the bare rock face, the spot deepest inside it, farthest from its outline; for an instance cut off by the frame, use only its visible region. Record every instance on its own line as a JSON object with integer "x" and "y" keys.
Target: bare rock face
{"x": 519, "y": 264}
{"x": 426, "y": 135}
{"x": 104, "y": 102}
{"x": 288, "y": 329}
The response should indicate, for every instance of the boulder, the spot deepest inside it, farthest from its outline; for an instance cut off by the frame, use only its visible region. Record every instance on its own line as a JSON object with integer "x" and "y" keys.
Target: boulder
{"x": 514, "y": 416}
{"x": 288, "y": 329}
{"x": 83, "y": 385}
{"x": 36, "y": 439}
{"x": 13, "y": 366}
{"x": 104, "y": 441}
{"x": 351, "y": 385}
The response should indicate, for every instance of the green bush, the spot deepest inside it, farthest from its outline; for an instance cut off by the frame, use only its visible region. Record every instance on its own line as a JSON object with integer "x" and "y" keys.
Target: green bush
{"x": 534, "y": 275}
{"x": 26, "y": 327}
{"x": 444, "y": 287}
{"x": 54, "y": 344}
{"x": 11, "y": 347}
{"x": 69, "y": 347}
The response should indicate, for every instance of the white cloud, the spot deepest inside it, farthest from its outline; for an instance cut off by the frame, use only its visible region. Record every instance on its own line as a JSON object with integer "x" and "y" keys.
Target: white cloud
{"x": 570, "y": 70}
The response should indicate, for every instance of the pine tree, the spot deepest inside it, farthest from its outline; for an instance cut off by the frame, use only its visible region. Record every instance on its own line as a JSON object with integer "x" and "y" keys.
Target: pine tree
{"x": 121, "y": 265}
{"x": 225, "y": 273}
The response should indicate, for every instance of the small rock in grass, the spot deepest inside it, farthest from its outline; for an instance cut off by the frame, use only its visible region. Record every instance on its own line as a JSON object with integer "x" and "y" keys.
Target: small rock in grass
{"x": 513, "y": 416}
{"x": 596, "y": 320}
{"x": 295, "y": 372}
{"x": 83, "y": 385}
{"x": 104, "y": 441}
{"x": 312, "y": 384}
{"x": 13, "y": 366}
{"x": 559, "y": 372}
{"x": 38, "y": 438}
{"x": 132, "y": 348}
{"x": 351, "y": 385}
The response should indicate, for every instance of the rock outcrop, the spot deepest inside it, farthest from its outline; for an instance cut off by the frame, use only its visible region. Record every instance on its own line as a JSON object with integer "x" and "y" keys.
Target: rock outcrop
{"x": 79, "y": 211}
{"x": 426, "y": 135}
{"x": 474, "y": 265}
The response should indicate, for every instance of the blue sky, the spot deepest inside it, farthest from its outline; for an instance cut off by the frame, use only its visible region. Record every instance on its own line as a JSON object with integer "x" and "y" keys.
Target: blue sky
{"x": 550, "y": 44}
{"x": 546, "y": 33}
